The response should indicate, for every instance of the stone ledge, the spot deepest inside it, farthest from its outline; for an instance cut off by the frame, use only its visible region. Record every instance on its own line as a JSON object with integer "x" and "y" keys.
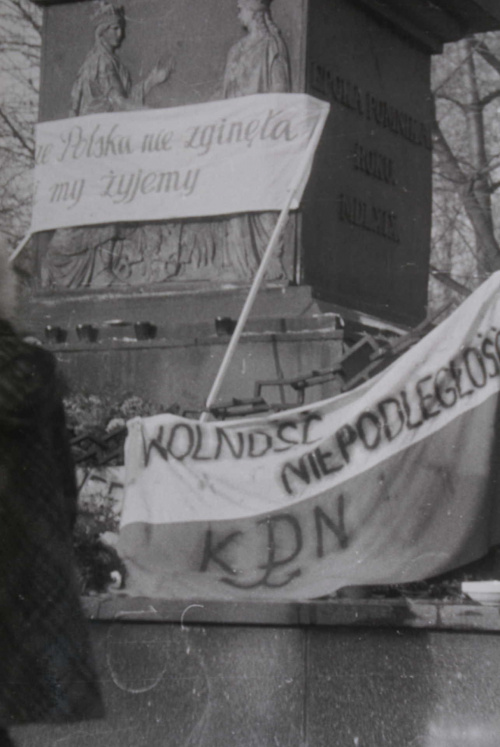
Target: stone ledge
{"x": 385, "y": 613}
{"x": 249, "y": 337}
{"x": 174, "y": 311}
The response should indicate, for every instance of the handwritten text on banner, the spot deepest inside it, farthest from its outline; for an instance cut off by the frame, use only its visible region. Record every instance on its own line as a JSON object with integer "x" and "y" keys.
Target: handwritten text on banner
{"x": 237, "y": 155}
{"x": 395, "y": 481}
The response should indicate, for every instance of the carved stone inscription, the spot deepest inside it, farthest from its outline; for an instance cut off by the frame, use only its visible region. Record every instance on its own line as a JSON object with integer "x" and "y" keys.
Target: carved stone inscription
{"x": 365, "y": 160}
{"x": 367, "y": 105}
{"x": 373, "y": 163}
{"x": 366, "y": 212}
{"x": 358, "y": 213}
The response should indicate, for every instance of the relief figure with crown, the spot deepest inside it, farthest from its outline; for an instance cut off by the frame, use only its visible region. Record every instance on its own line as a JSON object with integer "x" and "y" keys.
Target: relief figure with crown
{"x": 109, "y": 254}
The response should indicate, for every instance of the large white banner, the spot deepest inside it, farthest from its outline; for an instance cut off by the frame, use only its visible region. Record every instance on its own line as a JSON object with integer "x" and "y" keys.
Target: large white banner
{"x": 230, "y": 156}
{"x": 395, "y": 481}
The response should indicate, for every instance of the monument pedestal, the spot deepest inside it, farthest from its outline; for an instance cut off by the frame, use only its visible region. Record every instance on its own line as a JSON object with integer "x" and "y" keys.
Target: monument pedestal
{"x": 161, "y": 305}
{"x": 285, "y": 337}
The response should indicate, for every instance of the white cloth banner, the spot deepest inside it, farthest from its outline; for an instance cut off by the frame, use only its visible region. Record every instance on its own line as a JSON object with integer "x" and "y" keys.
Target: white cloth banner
{"x": 229, "y": 156}
{"x": 395, "y": 481}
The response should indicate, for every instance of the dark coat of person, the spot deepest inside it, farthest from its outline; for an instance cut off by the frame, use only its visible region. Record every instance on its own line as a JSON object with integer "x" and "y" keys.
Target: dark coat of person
{"x": 46, "y": 671}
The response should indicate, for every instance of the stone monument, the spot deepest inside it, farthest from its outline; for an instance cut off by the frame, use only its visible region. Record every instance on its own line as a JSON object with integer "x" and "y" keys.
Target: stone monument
{"x": 360, "y": 242}
{"x": 171, "y": 252}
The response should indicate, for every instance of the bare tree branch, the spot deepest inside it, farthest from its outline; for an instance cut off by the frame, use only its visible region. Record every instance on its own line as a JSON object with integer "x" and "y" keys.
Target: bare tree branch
{"x": 482, "y": 48}
{"x": 489, "y": 98}
{"x": 27, "y": 13}
{"x": 489, "y": 258}
{"x": 20, "y": 42}
{"x": 446, "y": 97}
{"x": 446, "y": 279}
{"x": 16, "y": 133}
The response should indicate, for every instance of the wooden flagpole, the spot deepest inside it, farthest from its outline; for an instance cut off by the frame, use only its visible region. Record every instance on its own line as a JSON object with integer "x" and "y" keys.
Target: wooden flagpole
{"x": 17, "y": 251}
{"x": 245, "y": 312}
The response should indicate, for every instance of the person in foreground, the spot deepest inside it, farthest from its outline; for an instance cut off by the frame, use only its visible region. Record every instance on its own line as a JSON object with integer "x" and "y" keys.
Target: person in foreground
{"x": 46, "y": 671}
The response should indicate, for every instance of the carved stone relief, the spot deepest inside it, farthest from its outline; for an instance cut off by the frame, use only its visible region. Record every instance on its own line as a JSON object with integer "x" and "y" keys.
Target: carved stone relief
{"x": 223, "y": 249}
